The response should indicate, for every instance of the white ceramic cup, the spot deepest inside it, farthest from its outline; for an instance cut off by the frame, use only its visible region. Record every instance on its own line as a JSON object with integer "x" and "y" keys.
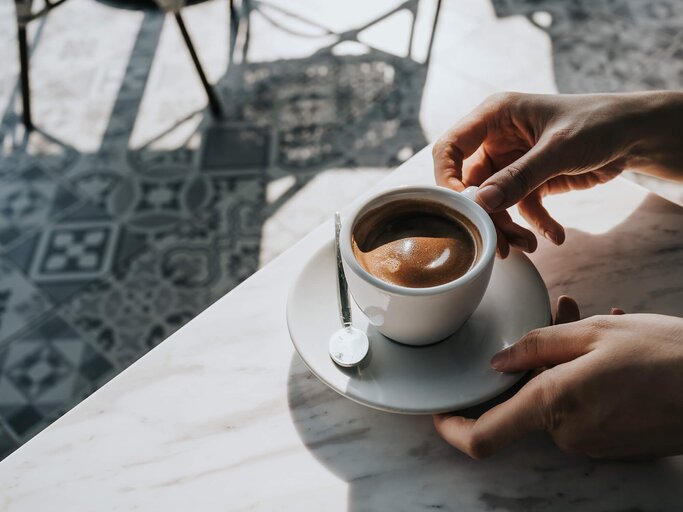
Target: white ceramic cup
{"x": 420, "y": 316}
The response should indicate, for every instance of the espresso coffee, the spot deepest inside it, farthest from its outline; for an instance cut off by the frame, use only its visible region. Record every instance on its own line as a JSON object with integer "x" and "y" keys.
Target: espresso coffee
{"x": 415, "y": 243}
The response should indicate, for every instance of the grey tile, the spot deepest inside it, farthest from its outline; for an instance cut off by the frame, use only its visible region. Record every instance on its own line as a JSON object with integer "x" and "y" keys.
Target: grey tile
{"x": 7, "y": 443}
{"x": 28, "y": 199}
{"x": 127, "y": 318}
{"x": 182, "y": 274}
{"x": 152, "y": 204}
{"x": 234, "y": 147}
{"x": 20, "y": 301}
{"x": 85, "y": 245}
{"x": 45, "y": 372}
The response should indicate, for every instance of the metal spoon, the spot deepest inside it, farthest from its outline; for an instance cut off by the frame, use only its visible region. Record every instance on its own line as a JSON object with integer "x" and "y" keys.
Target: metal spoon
{"x": 348, "y": 346}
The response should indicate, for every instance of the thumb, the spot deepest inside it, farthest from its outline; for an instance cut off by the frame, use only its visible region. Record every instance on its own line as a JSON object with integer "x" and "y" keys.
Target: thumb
{"x": 514, "y": 182}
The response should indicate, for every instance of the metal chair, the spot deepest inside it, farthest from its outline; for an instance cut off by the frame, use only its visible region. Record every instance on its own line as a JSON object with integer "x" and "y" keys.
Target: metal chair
{"x": 25, "y": 15}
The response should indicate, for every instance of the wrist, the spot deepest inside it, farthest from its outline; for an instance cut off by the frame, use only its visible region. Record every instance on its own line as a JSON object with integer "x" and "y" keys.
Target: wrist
{"x": 655, "y": 133}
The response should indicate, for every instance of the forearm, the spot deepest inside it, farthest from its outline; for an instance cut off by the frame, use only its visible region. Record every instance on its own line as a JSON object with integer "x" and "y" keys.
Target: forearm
{"x": 656, "y": 134}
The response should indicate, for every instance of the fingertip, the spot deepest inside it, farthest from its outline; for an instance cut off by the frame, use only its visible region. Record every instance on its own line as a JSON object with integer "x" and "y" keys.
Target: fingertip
{"x": 455, "y": 184}
{"x": 567, "y": 310}
{"x": 533, "y": 243}
{"x": 499, "y": 359}
{"x": 438, "y": 419}
{"x": 566, "y": 300}
{"x": 556, "y": 235}
{"x": 527, "y": 244}
{"x": 617, "y": 311}
{"x": 455, "y": 430}
{"x": 502, "y": 246}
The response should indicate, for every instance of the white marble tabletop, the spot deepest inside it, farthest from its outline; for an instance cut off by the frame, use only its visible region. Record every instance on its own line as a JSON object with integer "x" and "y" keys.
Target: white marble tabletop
{"x": 224, "y": 416}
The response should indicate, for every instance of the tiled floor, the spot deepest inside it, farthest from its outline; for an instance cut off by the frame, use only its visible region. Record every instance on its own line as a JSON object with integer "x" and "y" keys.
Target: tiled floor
{"x": 130, "y": 210}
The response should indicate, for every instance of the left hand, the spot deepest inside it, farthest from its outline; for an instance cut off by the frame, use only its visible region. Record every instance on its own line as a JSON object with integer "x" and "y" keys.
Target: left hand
{"x": 608, "y": 386}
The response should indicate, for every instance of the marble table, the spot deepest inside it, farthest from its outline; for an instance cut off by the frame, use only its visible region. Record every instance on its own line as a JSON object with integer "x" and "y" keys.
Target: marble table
{"x": 223, "y": 415}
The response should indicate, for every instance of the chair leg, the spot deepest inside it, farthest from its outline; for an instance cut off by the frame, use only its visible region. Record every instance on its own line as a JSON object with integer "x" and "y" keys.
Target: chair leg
{"x": 433, "y": 35}
{"x": 247, "y": 30}
{"x": 234, "y": 19}
{"x": 24, "y": 78}
{"x": 214, "y": 104}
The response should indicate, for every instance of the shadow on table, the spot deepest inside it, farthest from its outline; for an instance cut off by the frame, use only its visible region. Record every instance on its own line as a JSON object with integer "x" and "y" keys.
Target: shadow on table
{"x": 396, "y": 462}
{"x": 632, "y": 266}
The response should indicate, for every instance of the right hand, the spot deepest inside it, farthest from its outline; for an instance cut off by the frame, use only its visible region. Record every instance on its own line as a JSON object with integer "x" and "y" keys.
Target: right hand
{"x": 521, "y": 147}
{"x": 607, "y": 387}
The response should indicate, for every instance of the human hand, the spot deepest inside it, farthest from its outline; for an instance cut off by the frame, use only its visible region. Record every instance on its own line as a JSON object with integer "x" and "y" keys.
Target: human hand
{"x": 521, "y": 147}
{"x": 606, "y": 387}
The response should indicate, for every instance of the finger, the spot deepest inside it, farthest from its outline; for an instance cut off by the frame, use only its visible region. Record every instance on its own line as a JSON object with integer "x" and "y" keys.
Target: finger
{"x": 545, "y": 347}
{"x": 533, "y": 211}
{"x": 455, "y": 145}
{"x": 516, "y": 235}
{"x": 567, "y": 310}
{"x": 496, "y": 428}
{"x": 512, "y": 183}
{"x": 477, "y": 168}
{"x": 502, "y": 246}
{"x": 617, "y": 311}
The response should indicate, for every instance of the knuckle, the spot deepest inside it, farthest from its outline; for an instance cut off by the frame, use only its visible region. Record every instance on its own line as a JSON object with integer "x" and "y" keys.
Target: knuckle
{"x": 445, "y": 149}
{"x": 549, "y": 395}
{"x": 502, "y": 99}
{"x": 437, "y": 148}
{"x": 559, "y": 136}
{"x": 599, "y": 323}
{"x": 518, "y": 174}
{"x": 532, "y": 344}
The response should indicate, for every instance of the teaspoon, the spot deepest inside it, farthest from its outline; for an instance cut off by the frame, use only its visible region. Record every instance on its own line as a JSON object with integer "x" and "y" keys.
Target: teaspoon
{"x": 348, "y": 346}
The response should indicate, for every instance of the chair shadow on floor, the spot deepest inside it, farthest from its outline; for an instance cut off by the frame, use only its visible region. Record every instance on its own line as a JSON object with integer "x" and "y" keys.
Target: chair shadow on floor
{"x": 177, "y": 228}
{"x": 396, "y": 462}
{"x": 600, "y": 46}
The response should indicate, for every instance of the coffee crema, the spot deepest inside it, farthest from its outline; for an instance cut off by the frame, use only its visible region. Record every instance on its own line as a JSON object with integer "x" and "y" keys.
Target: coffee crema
{"x": 415, "y": 243}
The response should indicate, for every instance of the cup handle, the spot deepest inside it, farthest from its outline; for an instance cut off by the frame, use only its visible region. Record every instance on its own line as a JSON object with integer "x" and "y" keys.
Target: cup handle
{"x": 470, "y": 193}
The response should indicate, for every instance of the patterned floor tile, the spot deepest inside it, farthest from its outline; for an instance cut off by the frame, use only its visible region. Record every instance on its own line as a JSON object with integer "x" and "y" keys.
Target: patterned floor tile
{"x": 153, "y": 203}
{"x": 85, "y": 245}
{"x": 44, "y": 373}
{"x": 28, "y": 199}
{"x": 165, "y": 287}
{"x": 20, "y": 301}
{"x": 7, "y": 443}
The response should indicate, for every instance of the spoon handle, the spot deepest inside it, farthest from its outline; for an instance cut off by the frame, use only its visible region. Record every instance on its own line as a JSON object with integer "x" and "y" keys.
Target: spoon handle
{"x": 342, "y": 287}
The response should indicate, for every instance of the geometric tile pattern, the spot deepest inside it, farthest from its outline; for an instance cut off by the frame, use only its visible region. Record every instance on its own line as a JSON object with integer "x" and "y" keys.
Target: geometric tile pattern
{"x": 79, "y": 250}
{"x": 106, "y": 252}
{"x": 20, "y": 301}
{"x": 28, "y": 199}
{"x": 43, "y": 372}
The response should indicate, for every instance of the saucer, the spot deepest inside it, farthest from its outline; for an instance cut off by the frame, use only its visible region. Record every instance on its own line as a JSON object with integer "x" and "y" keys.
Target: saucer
{"x": 446, "y": 376}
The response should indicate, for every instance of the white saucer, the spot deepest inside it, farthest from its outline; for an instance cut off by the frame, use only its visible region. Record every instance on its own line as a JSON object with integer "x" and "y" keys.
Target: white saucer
{"x": 446, "y": 376}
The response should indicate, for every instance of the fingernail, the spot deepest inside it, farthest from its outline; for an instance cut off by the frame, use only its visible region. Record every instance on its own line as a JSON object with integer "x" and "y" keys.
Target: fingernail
{"x": 491, "y": 196}
{"x": 498, "y": 360}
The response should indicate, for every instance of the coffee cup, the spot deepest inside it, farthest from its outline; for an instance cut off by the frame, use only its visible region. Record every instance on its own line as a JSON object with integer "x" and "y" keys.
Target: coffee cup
{"x": 419, "y": 307}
